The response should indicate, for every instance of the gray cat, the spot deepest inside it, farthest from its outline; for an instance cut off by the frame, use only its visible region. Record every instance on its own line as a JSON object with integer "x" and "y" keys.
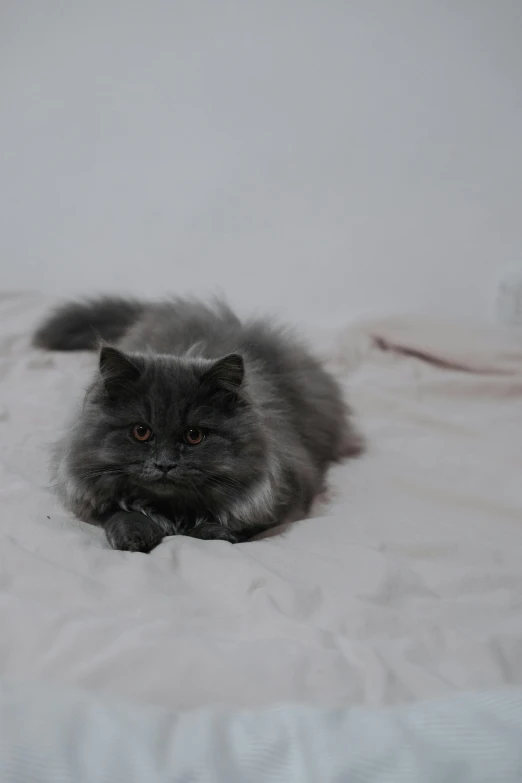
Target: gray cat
{"x": 196, "y": 424}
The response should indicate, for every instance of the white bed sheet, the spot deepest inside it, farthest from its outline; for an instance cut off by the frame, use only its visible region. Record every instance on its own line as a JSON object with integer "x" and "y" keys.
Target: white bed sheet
{"x": 407, "y": 586}
{"x": 59, "y": 733}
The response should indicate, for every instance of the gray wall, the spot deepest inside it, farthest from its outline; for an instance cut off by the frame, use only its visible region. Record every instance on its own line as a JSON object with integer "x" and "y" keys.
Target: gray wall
{"x": 320, "y": 158}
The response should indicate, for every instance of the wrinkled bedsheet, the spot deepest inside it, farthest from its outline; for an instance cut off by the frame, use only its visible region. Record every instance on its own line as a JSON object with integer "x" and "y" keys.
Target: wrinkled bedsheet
{"x": 50, "y": 734}
{"x": 406, "y": 584}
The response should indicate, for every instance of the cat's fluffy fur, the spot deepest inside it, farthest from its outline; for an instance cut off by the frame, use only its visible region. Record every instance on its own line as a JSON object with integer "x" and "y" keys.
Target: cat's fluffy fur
{"x": 272, "y": 417}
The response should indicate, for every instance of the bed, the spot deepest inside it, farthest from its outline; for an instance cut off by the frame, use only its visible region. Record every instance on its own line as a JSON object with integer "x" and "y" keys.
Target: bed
{"x": 405, "y": 585}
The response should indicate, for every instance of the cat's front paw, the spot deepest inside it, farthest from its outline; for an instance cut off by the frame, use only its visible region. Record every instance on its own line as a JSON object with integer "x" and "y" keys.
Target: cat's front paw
{"x": 131, "y": 531}
{"x": 168, "y": 526}
{"x": 209, "y": 530}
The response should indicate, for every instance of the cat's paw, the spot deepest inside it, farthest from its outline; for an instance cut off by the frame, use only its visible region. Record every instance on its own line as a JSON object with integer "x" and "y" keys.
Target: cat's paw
{"x": 131, "y": 531}
{"x": 168, "y": 526}
{"x": 209, "y": 530}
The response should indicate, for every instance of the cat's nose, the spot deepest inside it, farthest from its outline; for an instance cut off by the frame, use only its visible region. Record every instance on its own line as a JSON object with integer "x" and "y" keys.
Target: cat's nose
{"x": 165, "y": 467}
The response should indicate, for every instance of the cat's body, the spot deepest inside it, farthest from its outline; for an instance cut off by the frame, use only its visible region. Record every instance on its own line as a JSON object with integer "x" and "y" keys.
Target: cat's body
{"x": 203, "y": 424}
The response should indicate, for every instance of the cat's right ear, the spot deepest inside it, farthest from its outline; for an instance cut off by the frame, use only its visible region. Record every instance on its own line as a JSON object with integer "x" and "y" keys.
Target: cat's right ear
{"x": 227, "y": 373}
{"x": 117, "y": 370}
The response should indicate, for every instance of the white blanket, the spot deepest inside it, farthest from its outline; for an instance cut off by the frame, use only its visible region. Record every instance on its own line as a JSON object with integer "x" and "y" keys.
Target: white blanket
{"x": 407, "y": 585}
{"x": 50, "y": 734}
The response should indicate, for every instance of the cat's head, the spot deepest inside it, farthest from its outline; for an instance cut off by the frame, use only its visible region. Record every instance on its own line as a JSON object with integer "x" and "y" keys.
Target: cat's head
{"x": 167, "y": 429}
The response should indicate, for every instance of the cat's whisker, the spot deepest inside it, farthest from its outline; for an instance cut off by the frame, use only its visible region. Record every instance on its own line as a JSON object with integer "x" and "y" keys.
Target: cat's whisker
{"x": 226, "y": 483}
{"x": 92, "y": 474}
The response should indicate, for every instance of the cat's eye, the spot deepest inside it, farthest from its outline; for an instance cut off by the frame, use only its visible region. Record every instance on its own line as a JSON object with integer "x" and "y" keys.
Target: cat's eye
{"x": 193, "y": 436}
{"x": 141, "y": 432}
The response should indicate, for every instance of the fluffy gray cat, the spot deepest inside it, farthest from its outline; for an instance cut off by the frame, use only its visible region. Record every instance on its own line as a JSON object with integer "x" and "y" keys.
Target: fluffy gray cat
{"x": 197, "y": 423}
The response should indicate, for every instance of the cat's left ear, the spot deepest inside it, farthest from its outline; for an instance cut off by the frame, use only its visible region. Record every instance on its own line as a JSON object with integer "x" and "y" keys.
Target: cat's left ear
{"x": 227, "y": 373}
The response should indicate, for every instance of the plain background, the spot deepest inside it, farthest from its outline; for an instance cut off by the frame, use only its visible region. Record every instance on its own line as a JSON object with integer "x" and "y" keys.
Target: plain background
{"x": 318, "y": 159}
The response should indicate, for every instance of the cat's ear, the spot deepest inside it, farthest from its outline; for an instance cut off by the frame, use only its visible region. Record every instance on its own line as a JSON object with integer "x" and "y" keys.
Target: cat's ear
{"x": 117, "y": 370}
{"x": 226, "y": 373}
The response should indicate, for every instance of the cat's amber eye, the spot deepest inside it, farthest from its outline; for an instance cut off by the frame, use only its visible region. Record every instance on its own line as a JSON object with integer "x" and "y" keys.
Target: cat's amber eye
{"x": 193, "y": 436}
{"x": 141, "y": 432}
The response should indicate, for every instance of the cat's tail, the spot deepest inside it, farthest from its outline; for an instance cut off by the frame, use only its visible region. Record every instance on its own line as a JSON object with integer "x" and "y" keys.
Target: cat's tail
{"x": 80, "y": 326}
